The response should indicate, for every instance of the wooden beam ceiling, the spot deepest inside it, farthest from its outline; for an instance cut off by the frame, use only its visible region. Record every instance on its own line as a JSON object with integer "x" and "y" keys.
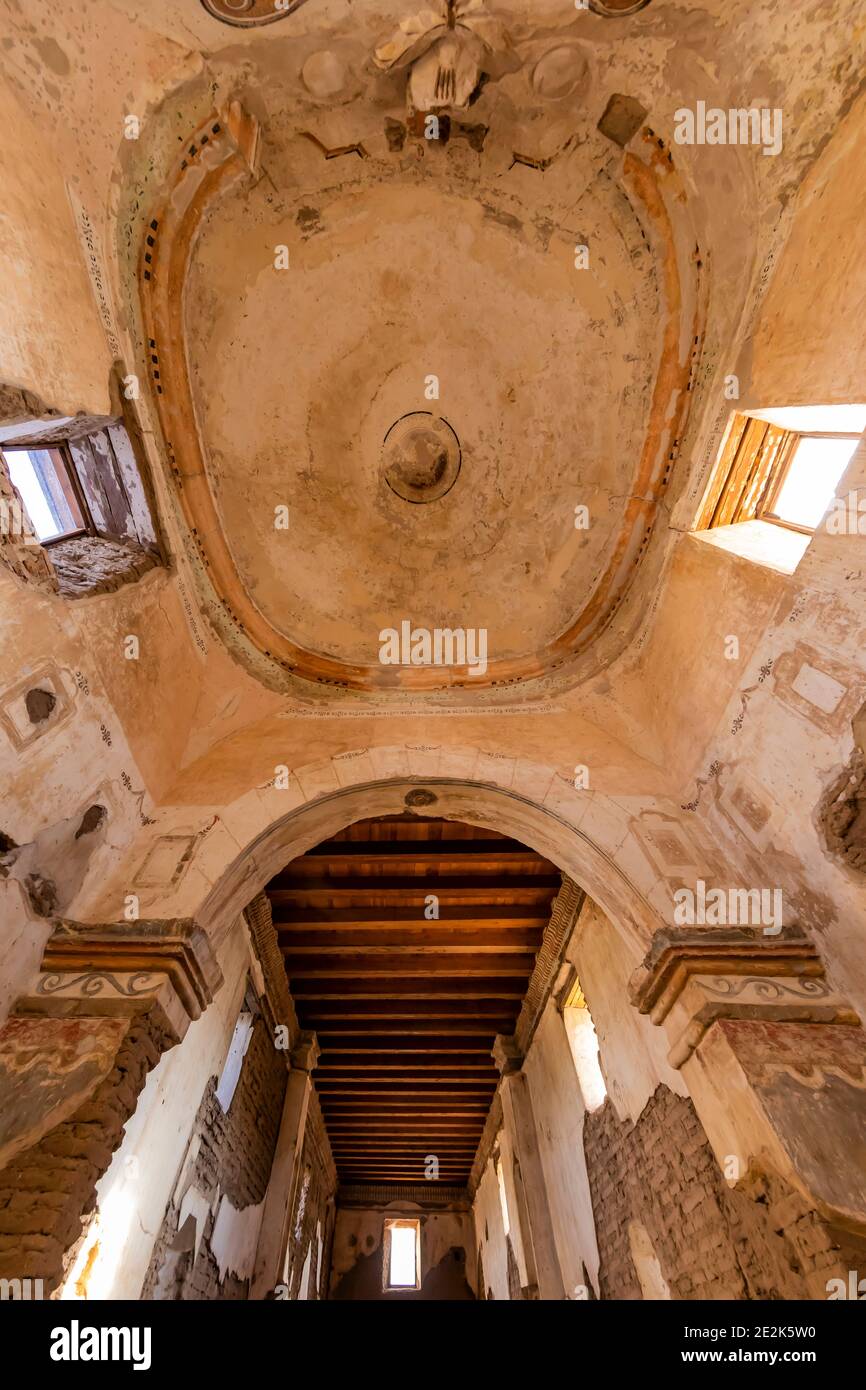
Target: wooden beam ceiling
{"x": 406, "y": 1005}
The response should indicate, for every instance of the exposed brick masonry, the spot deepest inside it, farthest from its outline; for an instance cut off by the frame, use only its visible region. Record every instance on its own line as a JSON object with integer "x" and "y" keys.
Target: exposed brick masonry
{"x": 711, "y": 1241}
{"x": 235, "y": 1157}
{"x": 49, "y": 1189}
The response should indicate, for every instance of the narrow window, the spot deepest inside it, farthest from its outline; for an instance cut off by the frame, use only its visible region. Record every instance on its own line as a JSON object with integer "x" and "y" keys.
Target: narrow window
{"x": 583, "y": 1041}
{"x": 88, "y": 485}
{"x": 402, "y": 1254}
{"x": 775, "y": 479}
{"x": 231, "y": 1073}
{"x": 44, "y": 480}
{"x": 503, "y": 1200}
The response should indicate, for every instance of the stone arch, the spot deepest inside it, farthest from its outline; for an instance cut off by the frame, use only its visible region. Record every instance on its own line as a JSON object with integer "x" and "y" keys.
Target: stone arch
{"x": 570, "y": 848}
{"x": 226, "y": 852}
{"x": 224, "y": 859}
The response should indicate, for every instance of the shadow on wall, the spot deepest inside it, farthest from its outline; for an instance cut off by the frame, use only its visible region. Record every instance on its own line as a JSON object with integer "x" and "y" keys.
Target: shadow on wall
{"x": 445, "y": 1282}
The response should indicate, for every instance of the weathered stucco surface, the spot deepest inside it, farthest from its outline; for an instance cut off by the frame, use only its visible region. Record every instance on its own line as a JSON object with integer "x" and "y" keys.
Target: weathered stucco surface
{"x": 174, "y": 783}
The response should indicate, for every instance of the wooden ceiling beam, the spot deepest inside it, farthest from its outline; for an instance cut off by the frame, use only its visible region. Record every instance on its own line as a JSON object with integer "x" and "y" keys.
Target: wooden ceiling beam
{"x": 412, "y": 914}
{"x": 447, "y": 1158}
{"x": 408, "y": 965}
{"x": 403, "y": 1061}
{"x": 406, "y": 1008}
{"x": 424, "y": 1012}
{"x": 404, "y": 1173}
{"x": 388, "y": 1114}
{"x": 428, "y": 1132}
{"x": 429, "y": 1136}
{"x": 447, "y": 859}
{"x": 448, "y": 1147}
{"x": 419, "y": 1031}
{"x": 409, "y": 1043}
{"x": 399, "y": 939}
{"x": 372, "y": 849}
{"x": 461, "y": 1086}
{"x": 378, "y": 1107}
{"x": 426, "y": 1085}
{"x": 408, "y": 889}
{"x": 474, "y": 987}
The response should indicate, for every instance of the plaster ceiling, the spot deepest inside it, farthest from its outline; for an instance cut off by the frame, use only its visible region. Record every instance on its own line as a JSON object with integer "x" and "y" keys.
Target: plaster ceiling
{"x": 314, "y": 263}
{"x": 545, "y": 376}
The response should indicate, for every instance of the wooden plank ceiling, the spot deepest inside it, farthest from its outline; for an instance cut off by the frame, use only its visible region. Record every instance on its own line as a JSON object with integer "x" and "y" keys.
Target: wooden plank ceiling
{"x": 406, "y": 1008}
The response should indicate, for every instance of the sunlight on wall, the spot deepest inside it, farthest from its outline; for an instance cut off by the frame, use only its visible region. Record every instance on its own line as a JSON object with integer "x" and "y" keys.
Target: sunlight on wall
{"x": 503, "y": 1200}
{"x": 653, "y": 1284}
{"x": 94, "y": 1268}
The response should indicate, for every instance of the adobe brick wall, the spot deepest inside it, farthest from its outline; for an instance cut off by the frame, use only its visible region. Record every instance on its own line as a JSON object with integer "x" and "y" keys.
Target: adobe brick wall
{"x": 234, "y": 1160}
{"x": 48, "y": 1190}
{"x": 711, "y": 1241}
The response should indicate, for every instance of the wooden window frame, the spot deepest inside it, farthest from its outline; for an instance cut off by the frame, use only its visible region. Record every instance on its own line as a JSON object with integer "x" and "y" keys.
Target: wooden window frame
{"x": 753, "y": 465}
{"x": 102, "y": 466}
{"x": 71, "y": 472}
{"x": 390, "y": 1223}
{"x": 779, "y": 477}
{"x": 69, "y": 480}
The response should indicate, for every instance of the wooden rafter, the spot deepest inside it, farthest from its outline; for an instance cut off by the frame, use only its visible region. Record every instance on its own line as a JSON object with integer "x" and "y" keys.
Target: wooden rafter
{"x": 406, "y": 1005}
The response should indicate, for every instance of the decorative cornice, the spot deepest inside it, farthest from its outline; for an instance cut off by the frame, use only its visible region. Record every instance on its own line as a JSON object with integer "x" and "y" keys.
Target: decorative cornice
{"x": 693, "y": 977}
{"x": 557, "y": 934}
{"x": 677, "y": 953}
{"x": 175, "y": 947}
{"x": 783, "y": 999}
{"x": 124, "y": 969}
{"x": 264, "y": 938}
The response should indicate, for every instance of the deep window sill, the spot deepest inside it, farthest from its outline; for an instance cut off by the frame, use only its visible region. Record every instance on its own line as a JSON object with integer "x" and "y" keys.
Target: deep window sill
{"x": 88, "y": 565}
{"x": 775, "y": 547}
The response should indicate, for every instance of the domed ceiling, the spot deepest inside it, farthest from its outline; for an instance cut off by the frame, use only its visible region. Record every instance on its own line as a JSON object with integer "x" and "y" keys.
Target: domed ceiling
{"x": 544, "y": 375}
{"x": 432, "y": 356}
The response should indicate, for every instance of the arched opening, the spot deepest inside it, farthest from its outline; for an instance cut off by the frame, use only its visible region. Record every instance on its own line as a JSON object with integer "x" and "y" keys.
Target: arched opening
{"x": 374, "y": 967}
{"x": 397, "y": 1027}
{"x": 550, "y": 817}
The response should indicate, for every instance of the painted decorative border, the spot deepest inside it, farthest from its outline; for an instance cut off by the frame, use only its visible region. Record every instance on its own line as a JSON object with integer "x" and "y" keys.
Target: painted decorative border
{"x": 248, "y": 14}
{"x": 224, "y": 153}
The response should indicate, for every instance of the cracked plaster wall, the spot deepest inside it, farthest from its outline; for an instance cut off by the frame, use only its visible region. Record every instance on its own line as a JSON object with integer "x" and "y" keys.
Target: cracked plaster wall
{"x": 739, "y": 759}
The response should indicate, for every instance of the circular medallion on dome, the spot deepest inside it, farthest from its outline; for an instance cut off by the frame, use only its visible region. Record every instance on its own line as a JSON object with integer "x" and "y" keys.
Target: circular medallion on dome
{"x": 421, "y": 454}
